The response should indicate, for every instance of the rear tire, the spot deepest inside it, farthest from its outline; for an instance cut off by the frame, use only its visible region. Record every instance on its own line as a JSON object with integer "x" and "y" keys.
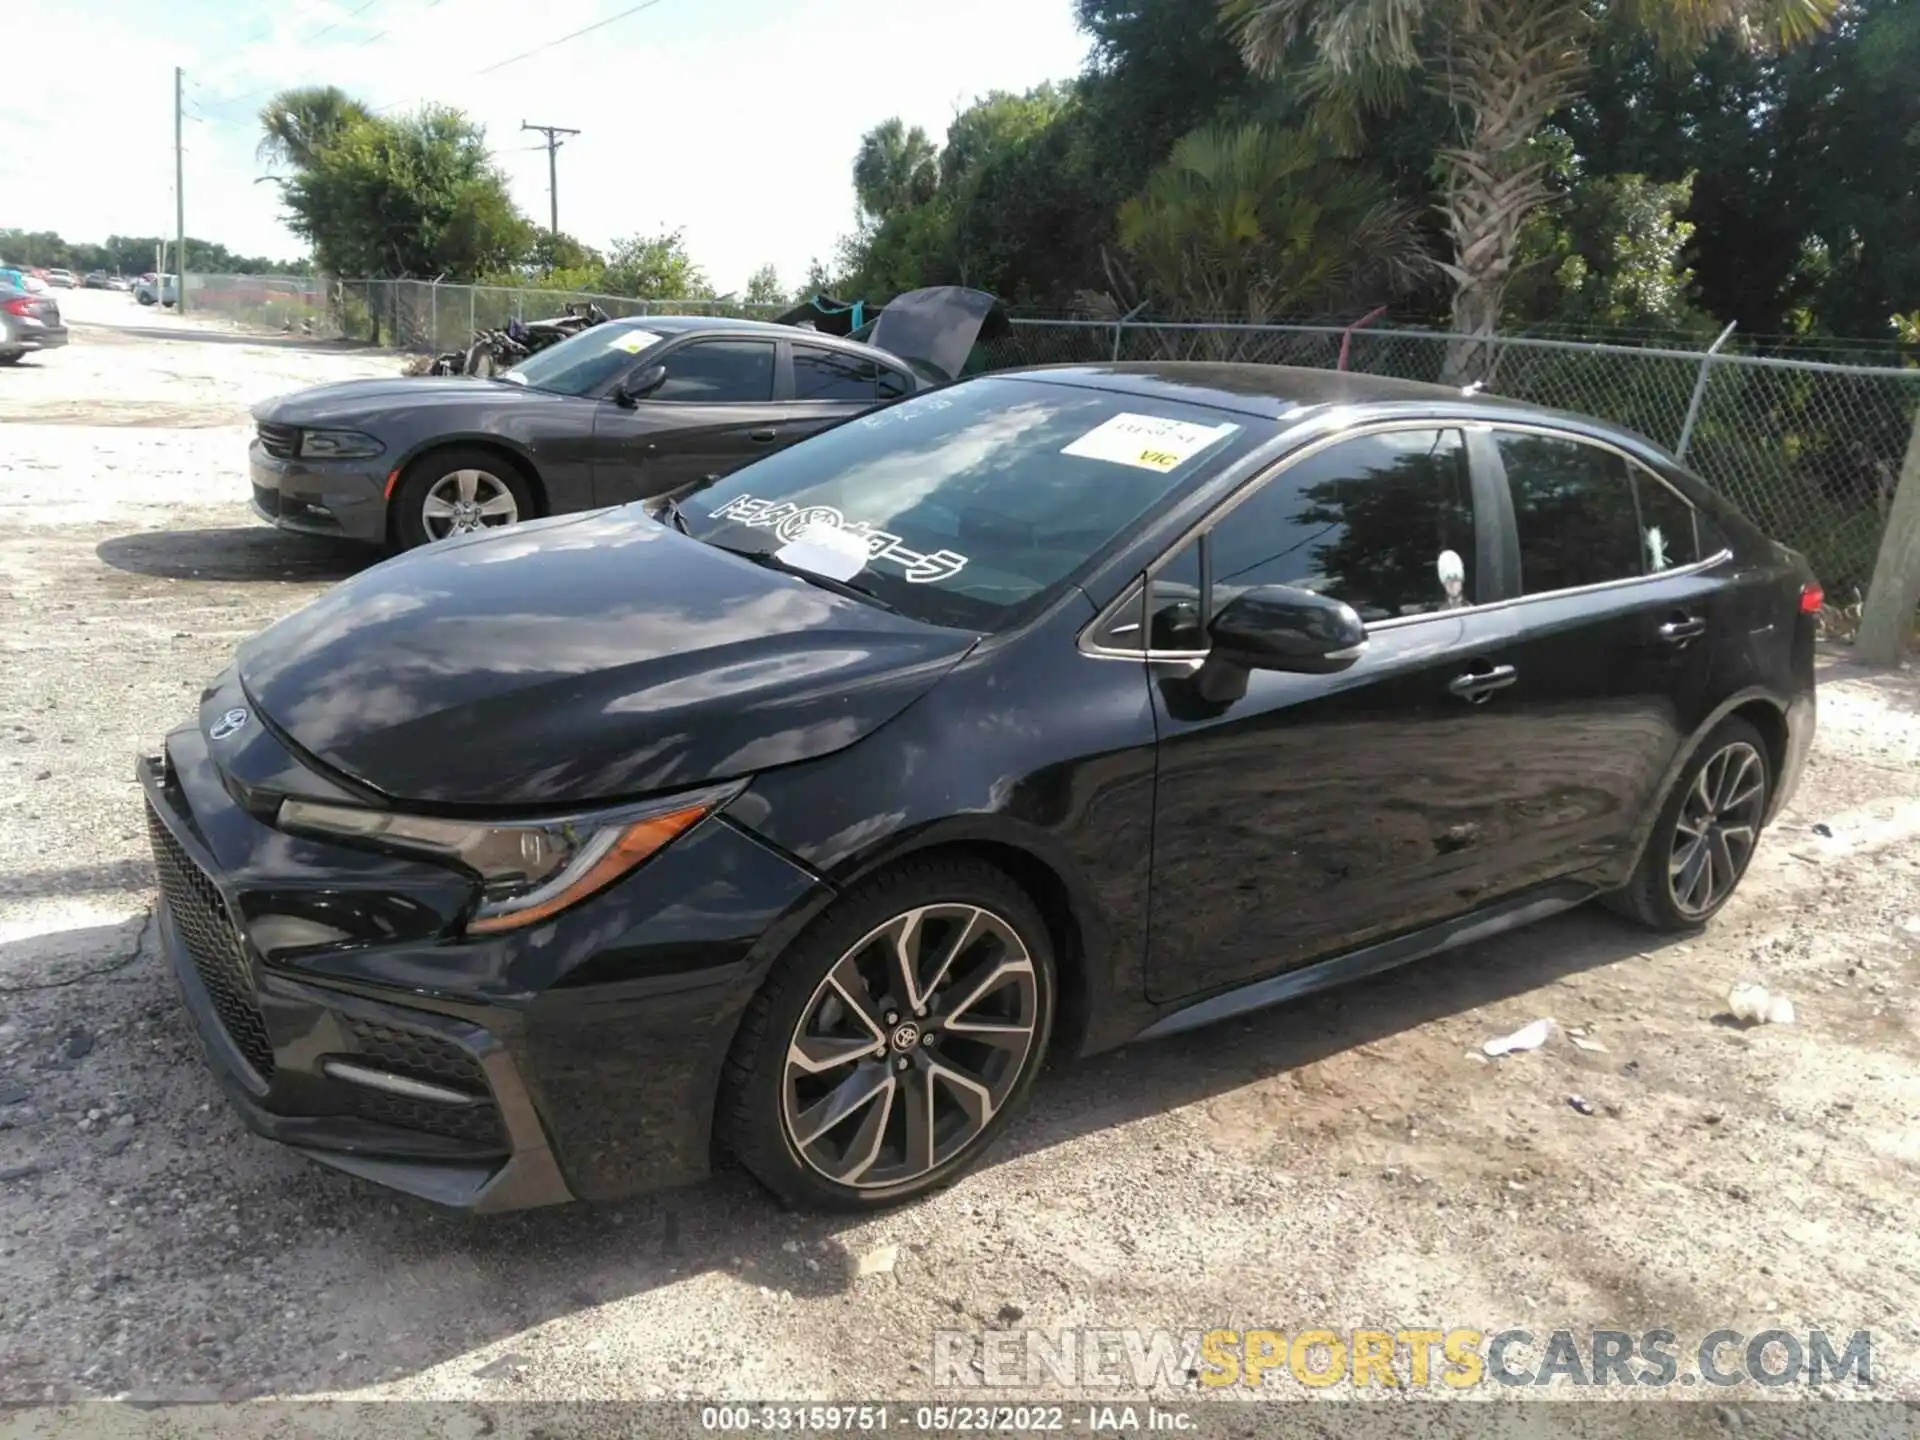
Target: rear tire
{"x": 457, "y": 491}
{"x": 1705, "y": 835}
{"x": 834, "y": 1096}
{"x": 12, "y": 357}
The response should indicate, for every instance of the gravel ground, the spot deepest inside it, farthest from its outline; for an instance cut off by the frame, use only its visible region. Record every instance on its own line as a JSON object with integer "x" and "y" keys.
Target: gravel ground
{"x": 1347, "y": 1162}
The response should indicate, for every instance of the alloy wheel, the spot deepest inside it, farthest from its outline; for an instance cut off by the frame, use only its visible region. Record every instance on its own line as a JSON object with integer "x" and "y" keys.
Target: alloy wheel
{"x": 910, "y": 1046}
{"x": 463, "y": 501}
{"x": 1714, "y": 834}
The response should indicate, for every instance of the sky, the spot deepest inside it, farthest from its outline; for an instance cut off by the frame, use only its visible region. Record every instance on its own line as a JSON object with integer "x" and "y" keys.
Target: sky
{"x": 733, "y": 120}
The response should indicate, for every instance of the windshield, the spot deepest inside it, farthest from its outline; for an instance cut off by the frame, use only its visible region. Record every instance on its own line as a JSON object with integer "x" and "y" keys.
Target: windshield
{"x": 585, "y": 362}
{"x": 969, "y": 506}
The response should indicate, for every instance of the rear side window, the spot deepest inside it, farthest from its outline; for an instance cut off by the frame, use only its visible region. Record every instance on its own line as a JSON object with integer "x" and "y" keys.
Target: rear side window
{"x": 1573, "y": 511}
{"x": 1383, "y": 522}
{"x": 719, "y": 372}
{"x": 1670, "y": 528}
{"x": 820, "y": 374}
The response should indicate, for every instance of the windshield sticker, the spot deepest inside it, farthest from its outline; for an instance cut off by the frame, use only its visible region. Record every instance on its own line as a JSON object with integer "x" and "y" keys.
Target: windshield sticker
{"x": 791, "y": 523}
{"x": 632, "y": 341}
{"x": 826, "y": 549}
{"x": 1147, "y": 441}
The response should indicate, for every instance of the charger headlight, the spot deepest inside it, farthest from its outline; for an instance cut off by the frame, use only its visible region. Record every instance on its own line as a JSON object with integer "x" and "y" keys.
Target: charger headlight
{"x": 338, "y": 445}
{"x": 528, "y": 870}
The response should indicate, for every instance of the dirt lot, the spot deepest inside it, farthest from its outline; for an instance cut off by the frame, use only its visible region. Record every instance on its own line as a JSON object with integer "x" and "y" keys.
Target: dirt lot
{"x": 1348, "y": 1162}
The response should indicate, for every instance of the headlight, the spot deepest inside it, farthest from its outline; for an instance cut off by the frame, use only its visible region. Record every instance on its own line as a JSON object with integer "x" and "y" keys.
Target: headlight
{"x": 338, "y": 445}
{"x": 528, "y": 870}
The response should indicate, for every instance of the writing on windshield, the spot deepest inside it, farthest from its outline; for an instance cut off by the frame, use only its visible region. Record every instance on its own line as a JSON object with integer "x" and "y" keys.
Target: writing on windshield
{"x": 791, "y": 522}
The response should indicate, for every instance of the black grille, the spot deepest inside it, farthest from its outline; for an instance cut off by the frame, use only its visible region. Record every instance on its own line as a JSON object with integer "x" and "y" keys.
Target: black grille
{"x": 213, "y": 944}
{"x": 479, "y": 1124}
{"x": 281, "y": 441}
{"x": 419, "y": 1055}
{"x": 437, "y": 1061}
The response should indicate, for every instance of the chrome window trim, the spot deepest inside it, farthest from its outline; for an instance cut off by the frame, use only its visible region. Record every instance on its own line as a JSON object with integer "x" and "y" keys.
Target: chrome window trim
{"x": 1089, "y": 645}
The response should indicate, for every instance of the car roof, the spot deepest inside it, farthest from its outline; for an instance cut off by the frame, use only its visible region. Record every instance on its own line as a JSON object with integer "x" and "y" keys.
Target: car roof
{"x": 1295, "y": 394}
{"x": 685, "y": 324}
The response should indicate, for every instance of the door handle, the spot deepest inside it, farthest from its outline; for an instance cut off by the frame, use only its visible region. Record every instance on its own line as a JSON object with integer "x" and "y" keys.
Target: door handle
{"x": 1681, "y": 629}
{"x": 1476, "y": 685}
{"x": 761, "y": 436}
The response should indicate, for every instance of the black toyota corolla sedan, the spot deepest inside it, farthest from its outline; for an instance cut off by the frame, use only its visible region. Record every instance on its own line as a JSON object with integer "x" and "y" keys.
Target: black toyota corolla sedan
{"x": 799, "y": 821}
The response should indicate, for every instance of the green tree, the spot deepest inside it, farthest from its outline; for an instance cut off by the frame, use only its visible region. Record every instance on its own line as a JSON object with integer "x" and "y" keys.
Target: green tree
{"x": 414, "y": 195}
{"x": 1259, "y": 223}
{"x": 655, "y": 267}
{"x": 1504, "y": 67}
{"x": 895, "y": 169}
{"x": 764, "y": 288}
{"x": 298, "y": 124}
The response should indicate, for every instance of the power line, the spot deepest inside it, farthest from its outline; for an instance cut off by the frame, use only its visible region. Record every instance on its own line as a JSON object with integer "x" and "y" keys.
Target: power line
{"x": 584, "y": 30}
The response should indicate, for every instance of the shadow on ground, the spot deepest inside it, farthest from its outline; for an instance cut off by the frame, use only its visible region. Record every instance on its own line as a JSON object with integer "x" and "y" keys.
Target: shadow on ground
{"x": 479, "y": 1281}
{"x": 252, "y": 553}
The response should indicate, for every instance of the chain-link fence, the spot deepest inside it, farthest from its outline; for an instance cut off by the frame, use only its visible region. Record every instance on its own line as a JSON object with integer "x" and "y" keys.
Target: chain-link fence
{"x": 1810, "y": 450}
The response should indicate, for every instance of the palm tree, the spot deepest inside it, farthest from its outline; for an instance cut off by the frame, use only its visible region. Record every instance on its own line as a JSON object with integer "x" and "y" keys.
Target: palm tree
{"x": 297, "y": 123}
{"x": 1259, "y": 223}
{"x": 1505, "y": 66}
{"x": 895, "y": 170}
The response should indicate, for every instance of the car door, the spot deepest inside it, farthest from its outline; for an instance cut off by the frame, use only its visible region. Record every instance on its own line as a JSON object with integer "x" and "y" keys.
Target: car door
{"x": 1318, "y": 812}
{"x": 1617, "y": 605}
{"x": 714, "y": 412}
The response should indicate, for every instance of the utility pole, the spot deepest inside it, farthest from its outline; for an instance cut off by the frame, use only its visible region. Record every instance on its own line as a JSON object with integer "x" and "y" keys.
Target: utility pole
{"x": 553, "y": 134}
{"x": 179, "y": 208}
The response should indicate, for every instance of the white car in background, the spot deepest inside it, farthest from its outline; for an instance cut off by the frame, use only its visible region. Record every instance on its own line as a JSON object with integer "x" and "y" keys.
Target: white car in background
{"x": 157, "y": 289}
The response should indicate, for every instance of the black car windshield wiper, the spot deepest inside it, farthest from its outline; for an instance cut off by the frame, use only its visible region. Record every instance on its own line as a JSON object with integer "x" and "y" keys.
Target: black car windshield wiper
{"x": 772, "y": 561}
{"x": 669, "y": 511}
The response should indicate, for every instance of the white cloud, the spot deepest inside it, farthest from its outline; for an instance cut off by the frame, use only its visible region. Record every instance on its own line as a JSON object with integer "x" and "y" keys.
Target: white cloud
{"x": 735, "y": 119}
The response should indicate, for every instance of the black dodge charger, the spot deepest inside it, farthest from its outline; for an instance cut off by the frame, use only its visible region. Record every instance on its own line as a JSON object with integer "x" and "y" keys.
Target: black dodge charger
{"x": 626, "y": 410}
{"x": 799, "y": 820}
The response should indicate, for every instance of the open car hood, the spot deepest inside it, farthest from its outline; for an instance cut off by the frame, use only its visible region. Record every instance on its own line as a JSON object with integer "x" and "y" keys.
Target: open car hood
{"x": 937, "y": 328}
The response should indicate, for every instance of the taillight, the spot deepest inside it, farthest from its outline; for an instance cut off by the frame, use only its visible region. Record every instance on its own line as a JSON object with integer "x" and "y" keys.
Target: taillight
{"x": 1812, "y": 597}
{"x": 17, "y": 307}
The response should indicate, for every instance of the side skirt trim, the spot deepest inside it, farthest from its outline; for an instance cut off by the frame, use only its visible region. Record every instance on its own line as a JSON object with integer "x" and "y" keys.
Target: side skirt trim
{"x": 1372, "y": 959}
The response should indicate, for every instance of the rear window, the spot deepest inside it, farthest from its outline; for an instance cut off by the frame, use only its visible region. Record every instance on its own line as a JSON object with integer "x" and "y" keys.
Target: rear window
{"x": 975, "y": 503}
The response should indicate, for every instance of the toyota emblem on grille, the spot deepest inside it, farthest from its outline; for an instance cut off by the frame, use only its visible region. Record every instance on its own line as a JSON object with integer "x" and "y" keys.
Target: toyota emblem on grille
{"x": 227, "y": 725}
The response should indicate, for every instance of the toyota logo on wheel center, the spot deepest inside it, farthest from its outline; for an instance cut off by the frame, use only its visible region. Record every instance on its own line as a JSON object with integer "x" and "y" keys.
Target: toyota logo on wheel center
{"x": 906, "y": 1037}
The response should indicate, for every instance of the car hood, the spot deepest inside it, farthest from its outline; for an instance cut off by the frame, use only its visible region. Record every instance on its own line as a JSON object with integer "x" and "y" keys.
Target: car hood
{"x": 938, "y": 326}
{"x": 581, "y": 659}
{"x": 361, "y": 401}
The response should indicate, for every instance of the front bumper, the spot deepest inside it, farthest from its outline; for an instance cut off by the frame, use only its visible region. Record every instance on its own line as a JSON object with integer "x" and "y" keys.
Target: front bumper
{"x": 340, "y": 498}
{"x": 576, "y": 1059}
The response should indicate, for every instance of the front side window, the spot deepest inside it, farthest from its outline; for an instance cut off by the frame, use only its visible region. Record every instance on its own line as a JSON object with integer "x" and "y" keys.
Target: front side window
{"x": 972, "y": 504}
{"x": 1383, "y": 522}
{"x": 1573, "y": 512}
{"x": 719, "y": 372}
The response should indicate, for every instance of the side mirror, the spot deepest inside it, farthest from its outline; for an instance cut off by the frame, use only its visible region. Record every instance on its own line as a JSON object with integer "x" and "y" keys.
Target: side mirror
{"x": 1277, "y": 627}
{"x": 640, "y": 386}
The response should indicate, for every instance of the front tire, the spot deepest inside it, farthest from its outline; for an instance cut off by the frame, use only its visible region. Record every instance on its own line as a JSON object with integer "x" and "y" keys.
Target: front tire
{"x": 1706, "y": 834}
{"x": 894, "y": 1040}
{"x": 458, "y": 491}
